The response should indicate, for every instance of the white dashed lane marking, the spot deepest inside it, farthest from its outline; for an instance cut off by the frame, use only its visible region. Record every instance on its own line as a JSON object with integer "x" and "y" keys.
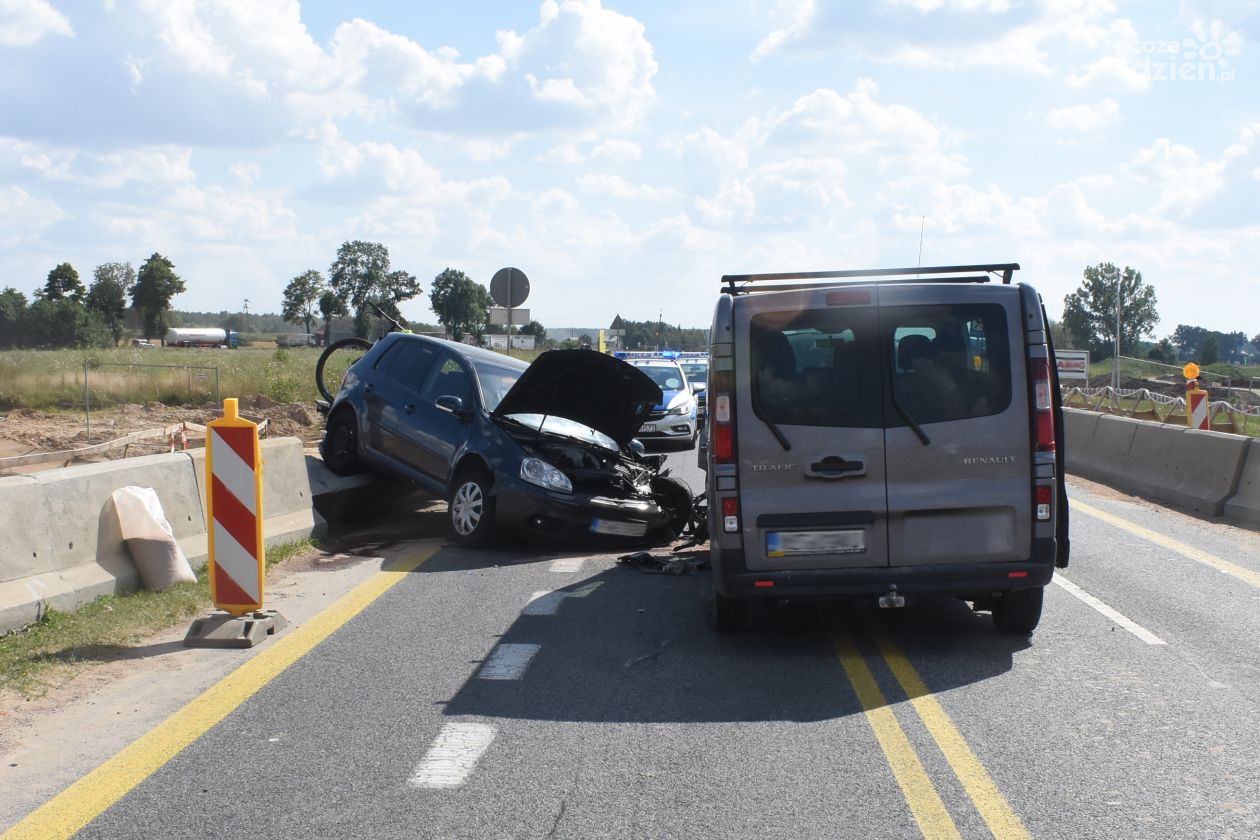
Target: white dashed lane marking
{"x": 452, "y": 756}
{"x": 567, "y": 566}
{"x": 1115, "y": 616}
{"x": 508, "y": 662}
{"x": 544, "y": 603}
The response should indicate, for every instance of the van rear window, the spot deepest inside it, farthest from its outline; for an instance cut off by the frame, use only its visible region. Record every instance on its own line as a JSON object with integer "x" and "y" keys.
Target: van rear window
{"x": 817, "y": 368}
{"x": 950, "y": 362}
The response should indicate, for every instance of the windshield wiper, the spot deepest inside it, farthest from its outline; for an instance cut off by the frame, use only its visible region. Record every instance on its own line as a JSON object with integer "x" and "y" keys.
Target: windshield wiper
{"x": 774, "y": 430}
{"x": 905, "y": 415}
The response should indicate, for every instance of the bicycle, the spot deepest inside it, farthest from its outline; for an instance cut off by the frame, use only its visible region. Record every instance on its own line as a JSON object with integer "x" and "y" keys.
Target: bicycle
{"x": 338, "y": 357}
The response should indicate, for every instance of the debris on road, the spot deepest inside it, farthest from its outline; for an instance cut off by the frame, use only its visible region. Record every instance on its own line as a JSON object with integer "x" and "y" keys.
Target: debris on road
{"x": 650, "y": 564}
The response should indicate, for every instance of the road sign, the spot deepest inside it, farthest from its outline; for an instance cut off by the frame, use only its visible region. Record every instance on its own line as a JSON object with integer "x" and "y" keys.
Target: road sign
{"x": 234, "y": 512}
{"x": 1073, "y": 364}
{"x": 499, "y": 316}
{"x": 509, "y": 287}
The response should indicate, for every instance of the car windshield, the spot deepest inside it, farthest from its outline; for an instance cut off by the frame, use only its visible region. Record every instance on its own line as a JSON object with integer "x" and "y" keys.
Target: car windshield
{"x": 668, "y": 377}
{"x": 568, "y": 428}
{"x": 495, "y": 382}
{"x": 696, "y": 374}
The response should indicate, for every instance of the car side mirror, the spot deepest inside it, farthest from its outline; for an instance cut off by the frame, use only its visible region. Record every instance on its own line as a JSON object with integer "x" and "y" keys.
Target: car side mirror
{"x": 452, "y": 405}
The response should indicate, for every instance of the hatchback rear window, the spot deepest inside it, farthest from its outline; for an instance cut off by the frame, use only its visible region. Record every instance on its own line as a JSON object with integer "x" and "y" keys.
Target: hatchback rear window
{"x": 950, "y": 362}
{"x": 817, "y": 368}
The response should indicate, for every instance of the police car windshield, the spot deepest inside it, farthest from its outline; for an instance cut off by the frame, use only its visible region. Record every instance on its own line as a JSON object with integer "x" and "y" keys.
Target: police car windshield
{"x": 668, "y": 377}
{"x": 696, "y": 373}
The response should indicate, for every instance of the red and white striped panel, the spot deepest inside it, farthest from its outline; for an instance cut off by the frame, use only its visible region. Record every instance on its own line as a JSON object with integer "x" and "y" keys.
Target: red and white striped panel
{"x": 234, "y": 485}
{"x": 1198, "y": 409}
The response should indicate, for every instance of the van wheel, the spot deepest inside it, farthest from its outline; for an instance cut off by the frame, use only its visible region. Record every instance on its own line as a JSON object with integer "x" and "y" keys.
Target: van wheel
{"x": 1019, "y": 611}
{"x": 471, "y": 509}
{"x": 729, "y": 615}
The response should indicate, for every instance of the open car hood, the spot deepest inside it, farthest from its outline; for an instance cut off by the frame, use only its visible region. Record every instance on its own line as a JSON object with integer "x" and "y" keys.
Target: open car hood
{"x": 587, "y": 387}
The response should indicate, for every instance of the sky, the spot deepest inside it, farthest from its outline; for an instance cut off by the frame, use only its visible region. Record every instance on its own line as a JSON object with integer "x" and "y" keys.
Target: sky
{"x": 626, "y": 155}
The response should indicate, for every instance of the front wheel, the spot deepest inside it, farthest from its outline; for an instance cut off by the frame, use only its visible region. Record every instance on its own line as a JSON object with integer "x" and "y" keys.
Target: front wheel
{"x": 1019, "y": 611}
{"x": 340, "y": 446}
{"x": 333, "y": 363}
{"x": 471, "y": 509}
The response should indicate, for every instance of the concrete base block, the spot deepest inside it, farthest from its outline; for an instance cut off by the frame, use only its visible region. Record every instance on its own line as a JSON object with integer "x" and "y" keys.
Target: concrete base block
{"x": 1244, "y": 507}
{"x": 224, "y": 630}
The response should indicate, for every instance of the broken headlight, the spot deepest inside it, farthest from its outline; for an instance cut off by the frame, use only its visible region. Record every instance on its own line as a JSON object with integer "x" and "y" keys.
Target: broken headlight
{"x": 537, "y": 471}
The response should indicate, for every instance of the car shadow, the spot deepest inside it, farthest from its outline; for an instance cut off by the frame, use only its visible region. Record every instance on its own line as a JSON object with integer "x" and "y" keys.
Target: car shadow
{"x": 625, "y": 646}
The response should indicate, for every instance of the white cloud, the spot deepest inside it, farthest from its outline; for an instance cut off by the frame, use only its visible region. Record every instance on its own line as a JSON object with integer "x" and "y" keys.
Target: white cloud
{"x": 1183, "y": 179}
{"x": 27, "y": 22}
{"x": 618, "y": 187}
{"x": 24, "y": 217}
{"x": 1082, "y": 119}
{"x": 926, "y": 6}
{"x": 618, "y": 151}
{"x": 854, "y": 123}
{"x": 796, "y": 17}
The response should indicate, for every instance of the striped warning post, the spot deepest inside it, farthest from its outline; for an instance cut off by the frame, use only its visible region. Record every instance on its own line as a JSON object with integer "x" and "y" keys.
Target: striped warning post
{"x": 1197, "y": 409}
{"x": 234, "y": 507}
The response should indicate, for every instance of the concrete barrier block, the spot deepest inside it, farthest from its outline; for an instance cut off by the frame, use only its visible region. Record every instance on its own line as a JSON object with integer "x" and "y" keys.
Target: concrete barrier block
{"x": 1152, "y": 469}
{"x": 1243, "y": 507}
{"x": 1106, "y": 455}
{"x": 26, "y": 536}
{"x": 1209, "y": 466}
{"x": 75, "y": 498}
{"x": 1078, "y": 431}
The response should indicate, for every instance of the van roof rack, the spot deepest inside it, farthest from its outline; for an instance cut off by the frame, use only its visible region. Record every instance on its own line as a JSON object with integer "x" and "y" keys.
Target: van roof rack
{"x": 736, "y": 284}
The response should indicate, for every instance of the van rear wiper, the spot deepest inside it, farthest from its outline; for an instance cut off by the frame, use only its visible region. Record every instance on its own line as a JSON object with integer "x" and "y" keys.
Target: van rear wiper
{"x": 774, "y": 430}
{"x": 905, "y": 415}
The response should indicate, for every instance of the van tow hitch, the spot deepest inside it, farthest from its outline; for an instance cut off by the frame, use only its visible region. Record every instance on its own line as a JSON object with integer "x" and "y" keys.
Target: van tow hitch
{"x": 892, "y": 600}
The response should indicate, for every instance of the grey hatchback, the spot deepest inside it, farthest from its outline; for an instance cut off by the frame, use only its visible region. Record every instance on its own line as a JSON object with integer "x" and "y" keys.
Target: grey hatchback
{"x": 884, "y": 432}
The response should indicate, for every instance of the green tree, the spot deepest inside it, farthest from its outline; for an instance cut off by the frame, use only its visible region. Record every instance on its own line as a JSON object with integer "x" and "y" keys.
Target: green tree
{"x": 107, "y": 297}
{"x": 63, "y": 284}
{"x": 361, "y": 273}
{"x": 64, "y": 323}
{"x": 330, "y": 306}
{"x": 1209, "y": 354}
{"x": 535, "y": 329}
{"x": 301, "y": 298}
{"x": 156, "y": 284}
{"x": 12, "y": 317}
{"x": 461, "y": 305}
{"x": 1163, "y": 352}
{"x": 1090, "y": 311}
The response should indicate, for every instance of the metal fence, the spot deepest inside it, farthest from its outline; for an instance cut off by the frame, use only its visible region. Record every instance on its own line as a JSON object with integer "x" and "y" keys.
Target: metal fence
{"x": 183, "y": 381}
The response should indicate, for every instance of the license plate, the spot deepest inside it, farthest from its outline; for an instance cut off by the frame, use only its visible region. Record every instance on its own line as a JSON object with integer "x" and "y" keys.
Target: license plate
{"x": 788, "y": 543}
{"x": 620, "y": 529}
{"x": 647, "y": 428}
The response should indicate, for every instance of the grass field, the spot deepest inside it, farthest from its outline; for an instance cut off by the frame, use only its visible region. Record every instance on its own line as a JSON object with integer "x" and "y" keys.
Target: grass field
{"x": 53, "y": 379}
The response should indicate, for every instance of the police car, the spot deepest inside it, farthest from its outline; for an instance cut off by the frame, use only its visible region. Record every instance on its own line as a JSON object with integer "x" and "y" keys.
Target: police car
{"x": 676, "y": 417}
{"x": 696, "y": 367}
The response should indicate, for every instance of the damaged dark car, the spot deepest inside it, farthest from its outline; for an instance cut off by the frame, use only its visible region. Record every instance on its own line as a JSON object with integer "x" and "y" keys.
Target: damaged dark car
{"x": 546, "y": 448}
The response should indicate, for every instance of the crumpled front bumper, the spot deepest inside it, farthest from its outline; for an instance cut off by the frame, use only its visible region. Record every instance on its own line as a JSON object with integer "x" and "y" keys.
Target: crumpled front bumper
{"x": 525, "y": 506}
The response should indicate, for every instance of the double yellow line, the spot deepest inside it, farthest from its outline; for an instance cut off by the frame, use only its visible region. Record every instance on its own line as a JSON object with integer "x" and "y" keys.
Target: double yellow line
{"x": 925, "y": 803}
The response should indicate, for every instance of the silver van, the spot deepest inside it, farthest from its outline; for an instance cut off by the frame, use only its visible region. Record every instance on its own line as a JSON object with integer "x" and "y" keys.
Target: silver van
{"x": 881, "y": 433}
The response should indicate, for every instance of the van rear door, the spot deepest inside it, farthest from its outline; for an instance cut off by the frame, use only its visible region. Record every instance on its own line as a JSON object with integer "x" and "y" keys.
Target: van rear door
{"x": 960, "y": 486}
{"x": 810, "y": 437}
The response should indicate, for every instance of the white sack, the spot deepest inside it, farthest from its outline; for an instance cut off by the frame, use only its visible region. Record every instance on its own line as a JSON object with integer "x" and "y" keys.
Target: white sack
{"x": 150, "y": 538}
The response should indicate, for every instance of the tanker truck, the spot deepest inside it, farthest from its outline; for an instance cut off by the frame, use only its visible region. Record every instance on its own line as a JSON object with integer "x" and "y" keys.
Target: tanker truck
{"x": 201, "y": 337}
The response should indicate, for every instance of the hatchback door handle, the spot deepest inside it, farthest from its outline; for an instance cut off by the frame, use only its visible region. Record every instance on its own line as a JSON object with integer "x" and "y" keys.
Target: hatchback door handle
{"x": 835, "y": 466}
{"x": 410, "y": 408}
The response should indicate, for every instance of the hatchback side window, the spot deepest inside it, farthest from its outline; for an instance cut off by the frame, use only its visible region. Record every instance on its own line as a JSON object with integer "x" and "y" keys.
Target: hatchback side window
{"x": 408, "y": 362}
{"x": 950, "y": 362}
{"x": 449, "y": 378}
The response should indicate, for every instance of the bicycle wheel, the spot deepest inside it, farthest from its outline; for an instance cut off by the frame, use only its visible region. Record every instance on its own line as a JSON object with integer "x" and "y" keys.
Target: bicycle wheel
{"x": 333, "y": 363}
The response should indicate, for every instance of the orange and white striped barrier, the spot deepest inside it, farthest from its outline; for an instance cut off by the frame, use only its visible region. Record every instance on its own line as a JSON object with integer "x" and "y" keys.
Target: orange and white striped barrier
{"x": 1196, "y": 400}
{"x": 237, "y": 554}
{"x": 234, "y": 512}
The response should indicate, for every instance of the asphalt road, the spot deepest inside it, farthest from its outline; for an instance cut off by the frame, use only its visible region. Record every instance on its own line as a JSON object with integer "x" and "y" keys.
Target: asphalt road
{"x": 467, "y": 703}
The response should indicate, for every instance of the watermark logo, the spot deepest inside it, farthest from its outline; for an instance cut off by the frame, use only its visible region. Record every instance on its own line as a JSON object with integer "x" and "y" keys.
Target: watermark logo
{"x": 1203, "y": 56}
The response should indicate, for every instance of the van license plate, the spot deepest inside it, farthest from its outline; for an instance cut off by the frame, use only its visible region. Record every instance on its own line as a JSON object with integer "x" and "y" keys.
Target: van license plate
{"x": 647, "y": 428}
{"x": 620, "y": 529}
{"x": 787, "y": 543}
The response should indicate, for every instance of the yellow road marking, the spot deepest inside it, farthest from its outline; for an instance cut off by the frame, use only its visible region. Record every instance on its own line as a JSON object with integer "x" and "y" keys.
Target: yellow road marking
{"x": 85, "y": 800}
{"x": 925, "y": 803}
{"x": 1243, "y": 574}
{"x": 1002, "y": 821}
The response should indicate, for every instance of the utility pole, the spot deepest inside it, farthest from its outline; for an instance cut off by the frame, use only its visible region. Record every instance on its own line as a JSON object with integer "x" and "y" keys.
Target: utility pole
{"x": 1115, "y": 369}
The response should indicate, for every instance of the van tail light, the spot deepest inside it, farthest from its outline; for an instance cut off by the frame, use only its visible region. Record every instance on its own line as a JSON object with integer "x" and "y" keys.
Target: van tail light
{"x": 1045, "y": 493}
{"x": 1043, "y": 406}
{"x": 722, "y": 417}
